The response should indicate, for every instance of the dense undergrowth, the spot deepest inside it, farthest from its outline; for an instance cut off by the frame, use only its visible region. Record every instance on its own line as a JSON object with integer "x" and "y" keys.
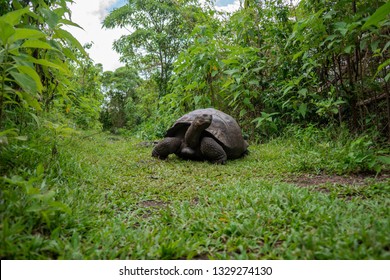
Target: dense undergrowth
{"x": 99, "y": 196}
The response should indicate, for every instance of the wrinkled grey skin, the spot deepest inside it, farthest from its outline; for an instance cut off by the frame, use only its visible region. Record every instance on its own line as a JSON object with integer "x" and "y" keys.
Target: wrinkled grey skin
{"x": 204, "y": 134}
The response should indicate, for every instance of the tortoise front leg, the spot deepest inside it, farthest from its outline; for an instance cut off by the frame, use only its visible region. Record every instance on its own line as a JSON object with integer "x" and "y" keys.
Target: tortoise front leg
{"x": 212, "y": 151}
{"x": 167, "y": 146}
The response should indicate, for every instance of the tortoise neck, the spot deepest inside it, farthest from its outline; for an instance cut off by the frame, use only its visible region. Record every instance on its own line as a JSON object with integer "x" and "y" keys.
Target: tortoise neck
{"x": 193, "y": 135}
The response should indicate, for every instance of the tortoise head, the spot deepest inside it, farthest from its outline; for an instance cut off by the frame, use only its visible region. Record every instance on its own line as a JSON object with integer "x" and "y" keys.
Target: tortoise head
{"x": 202, "y": 121}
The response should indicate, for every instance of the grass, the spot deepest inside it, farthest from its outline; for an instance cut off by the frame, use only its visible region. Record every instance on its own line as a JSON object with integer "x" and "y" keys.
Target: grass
{"x": 107, "y": 198}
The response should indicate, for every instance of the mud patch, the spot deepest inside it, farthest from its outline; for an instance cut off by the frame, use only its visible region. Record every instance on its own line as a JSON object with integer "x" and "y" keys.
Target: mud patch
{"x": 306, "y": 180}
{"x": 152, "y": 204}
{"x": 344, "y": 187}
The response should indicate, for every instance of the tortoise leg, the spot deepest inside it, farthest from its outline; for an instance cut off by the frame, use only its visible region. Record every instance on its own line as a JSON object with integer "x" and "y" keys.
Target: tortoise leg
{"x": 167, "y": 146}
{"x": 212, "y": 151}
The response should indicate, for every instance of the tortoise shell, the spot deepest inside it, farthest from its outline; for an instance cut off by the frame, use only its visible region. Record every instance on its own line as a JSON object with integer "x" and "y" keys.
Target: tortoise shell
{"x": 223, "y": 128}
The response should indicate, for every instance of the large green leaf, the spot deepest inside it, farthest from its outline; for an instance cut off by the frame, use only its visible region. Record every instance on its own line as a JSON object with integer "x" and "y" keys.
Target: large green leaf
{"x": 29, "y": 89}
{"x": 25, "y": 82}
{"x": 65, "y": 35}
{"x": 14, "y": 17}
{"x": 37, "y": 44}
{"x": 384, "y": 159}
{"x": 32, "y": 74}
{"x": 6, "y": 31}
{"x": 51, "y": 18}
{"x": 26, "y": 33}
{"x": 31, "y": 101}
{"x": 231, "y": 71}
{"x": 47, "y": 63}
{"x": 68, "y": 53}
{"x": 380, "y": 14}
{"x": 303, "y": 109}
{"x": 68, "y": 22}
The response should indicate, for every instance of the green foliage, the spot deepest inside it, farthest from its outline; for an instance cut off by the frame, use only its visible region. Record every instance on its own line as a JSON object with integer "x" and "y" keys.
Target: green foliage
{"x": 158, "y": 34}
{"x": 231, "y": 65}
{"x": 313, "y": 63}
{"x": 35, "y": 61}
{"x": 337, "y": 61}
{"x": 336, "y": 150}
{"x": 84, "y": 101}
{"x": 37, "y": 92}
{"x": 198, "y": 72}
{"x": 380, "y": 14}
{"x": 33, "y": 173}
{"x": 120, "y": 98}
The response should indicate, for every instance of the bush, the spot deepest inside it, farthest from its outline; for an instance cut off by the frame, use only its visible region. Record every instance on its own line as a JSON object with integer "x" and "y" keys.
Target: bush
{"x": 336, "y": 150}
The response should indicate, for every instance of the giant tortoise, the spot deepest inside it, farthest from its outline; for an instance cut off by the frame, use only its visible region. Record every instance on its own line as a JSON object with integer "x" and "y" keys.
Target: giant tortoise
{"x": 203, "y": 134}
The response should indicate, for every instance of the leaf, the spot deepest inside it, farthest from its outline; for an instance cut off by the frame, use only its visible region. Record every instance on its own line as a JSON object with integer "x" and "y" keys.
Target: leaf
{"x": 303, "y": 92}
{"x": 26, "y": 33}
{"x": 60, "y": 207}
{"x": 35, "y": 117}
{"x": 14, "y": 17}
{"x": 6, "y": 31}
{"x": 47, "y": 63}
{"x": 384, "y": 159}
{"x": 68, "y": 22}
{"x": 31, "y": 101}
{"x": 68, "y": 53}
{"x": 297, "y": 55}
{"x": 9, "y": 132}
{"x": 3, "y": 140}
{"x": 37, "y": 44}
{"x": 380, "y": 14}
{"x": 385, "y": 47}
{"x": 51, "y": 18}
{"x": 62, "y": 34}
{"x": 348, "y": 49}
{"x": 40, "y": 170}
{"x": 303, "y": 109}
{"x": 25, "y": 82}
{"x": 342, "y": 27}
{"x": 21, "y": 138}
{"x": 380, "y": 68}
{"x": 231, "y": 72}
{"x": 387, "y": 77}
{"x": 29, "y": 89}
{"x": 383, "y": 65}
{"x": 214, "y": 73}
{"x": 32, "y": 74}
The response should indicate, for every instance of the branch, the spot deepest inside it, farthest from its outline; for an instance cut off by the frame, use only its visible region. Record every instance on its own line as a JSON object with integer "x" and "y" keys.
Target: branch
{"x": 372, "y": 99}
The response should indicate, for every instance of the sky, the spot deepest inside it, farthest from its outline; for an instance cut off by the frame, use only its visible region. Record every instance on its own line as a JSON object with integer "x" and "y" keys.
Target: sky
{"x": 90, "y": 15}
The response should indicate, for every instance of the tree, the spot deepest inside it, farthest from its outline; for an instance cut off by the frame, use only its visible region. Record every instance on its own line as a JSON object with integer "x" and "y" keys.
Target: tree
{"x": 341, "y": 59}
{"x": 84, "y": 99}
{"x": 120, "y": 97}
{"x": 273, "y": 64}
{"x": 158, "y": 32}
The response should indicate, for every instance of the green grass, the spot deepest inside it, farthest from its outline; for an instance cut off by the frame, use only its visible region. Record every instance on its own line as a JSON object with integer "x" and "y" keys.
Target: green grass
{"x": 105, "y": 197}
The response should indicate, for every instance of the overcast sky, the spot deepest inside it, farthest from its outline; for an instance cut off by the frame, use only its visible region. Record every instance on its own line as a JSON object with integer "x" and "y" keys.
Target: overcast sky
{"x": 90, "y": 14}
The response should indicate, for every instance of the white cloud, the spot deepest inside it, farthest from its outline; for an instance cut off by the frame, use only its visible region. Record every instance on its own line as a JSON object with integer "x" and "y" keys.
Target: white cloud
{"x": 103, "y": 8}
{"x": 230, "y": 7}
{"x": 89, "y": 15}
